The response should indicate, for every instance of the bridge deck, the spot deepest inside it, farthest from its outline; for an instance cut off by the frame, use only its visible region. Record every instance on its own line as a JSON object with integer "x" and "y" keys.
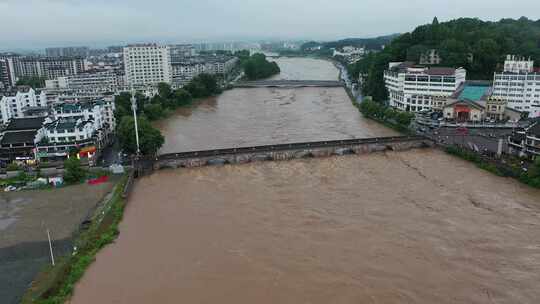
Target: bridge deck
{"x": 291, "y": 146}
{"x": 288, "y": 83}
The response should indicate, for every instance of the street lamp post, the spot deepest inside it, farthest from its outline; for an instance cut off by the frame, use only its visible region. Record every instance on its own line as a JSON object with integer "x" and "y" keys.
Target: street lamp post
{"x": 134, "y": 108}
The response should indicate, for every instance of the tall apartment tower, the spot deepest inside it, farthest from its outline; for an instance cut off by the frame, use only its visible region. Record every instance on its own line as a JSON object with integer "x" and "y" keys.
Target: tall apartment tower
{"x": 519, "y": 85}
{"x": 147, "y": 65}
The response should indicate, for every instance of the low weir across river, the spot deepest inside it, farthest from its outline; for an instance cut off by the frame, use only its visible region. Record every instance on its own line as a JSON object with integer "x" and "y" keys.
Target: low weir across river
{"x": 289, "y": 84}
{"x": 283, "y": 152}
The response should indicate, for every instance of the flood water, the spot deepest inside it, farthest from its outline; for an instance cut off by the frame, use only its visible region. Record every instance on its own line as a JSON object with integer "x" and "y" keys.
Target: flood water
{"x": 400, "y": 227}
{"x": 248, "y": 117}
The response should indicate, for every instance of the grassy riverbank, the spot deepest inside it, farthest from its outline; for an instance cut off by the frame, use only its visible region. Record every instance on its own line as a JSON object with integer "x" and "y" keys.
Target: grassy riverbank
{"x": 395, "y": 119}
{"x": 55, "y": 285}
{"x": 511, "y": 167}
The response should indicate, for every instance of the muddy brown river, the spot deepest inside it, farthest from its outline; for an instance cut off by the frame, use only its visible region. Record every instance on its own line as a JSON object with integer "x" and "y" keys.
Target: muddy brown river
{"x": 406, "y": 227}
{"x": 417, "y": 226}
{"x": 248, "y": 117}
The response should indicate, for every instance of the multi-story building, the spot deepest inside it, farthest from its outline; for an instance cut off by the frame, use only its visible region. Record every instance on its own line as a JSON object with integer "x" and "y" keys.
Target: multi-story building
{"x": 526, "y": 142}
{"x": 183, "y": 72}
{"x": 15, "y": 103}
{"x": 7, "y": 71}
{"x": 179, "y": 52}
{"x": 80, "y": 51}
{"x": 350, "y": 53}
{"x": 417, "y": 88}
{"x": 19, "y": 138}
{"x": 91, "y": 82}
{"x": 48, "y": 68}
{"x": 519, "y": 85}
{"x": 431, "y": 57}
{"x": 147, "y": 65}
{"x": 7, "y": 77}
{"x": 82, "y": 126}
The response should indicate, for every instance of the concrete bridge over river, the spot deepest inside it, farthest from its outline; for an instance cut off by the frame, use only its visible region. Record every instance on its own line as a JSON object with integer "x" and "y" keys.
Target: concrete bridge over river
{"x": 289, "y": 84}
{"x": 282, "y": 152}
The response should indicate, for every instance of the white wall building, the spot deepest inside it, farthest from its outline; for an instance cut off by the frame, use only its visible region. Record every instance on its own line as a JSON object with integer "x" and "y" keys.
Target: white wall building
{"x": 14, "y": 104}
{"x": 519, "y": 85}
{"x": 183, "y": 72}
{"x": 90, "y": 82}
{"x": 415, "y": 88}
{"x": 147, "y": 64}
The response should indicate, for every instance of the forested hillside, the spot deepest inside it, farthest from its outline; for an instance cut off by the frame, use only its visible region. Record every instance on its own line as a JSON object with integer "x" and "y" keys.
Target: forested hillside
{"x": 457, "y": 41}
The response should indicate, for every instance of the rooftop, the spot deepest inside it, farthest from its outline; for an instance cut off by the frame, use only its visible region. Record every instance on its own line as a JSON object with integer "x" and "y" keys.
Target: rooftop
{"x": 19, "y": 124}
{"x": 19, "y": 137}
{"x": 441, "y": 71}
{"x": 473, "y": 92}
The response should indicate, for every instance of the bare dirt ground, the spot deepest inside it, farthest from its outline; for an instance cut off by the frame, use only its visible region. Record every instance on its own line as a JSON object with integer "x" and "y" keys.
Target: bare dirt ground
{"x": 402, "y": 227}
{"x": 24, "y": 218}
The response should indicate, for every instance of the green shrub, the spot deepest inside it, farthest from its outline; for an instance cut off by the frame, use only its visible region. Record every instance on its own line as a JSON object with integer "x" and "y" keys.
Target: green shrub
{"x": 74, "y": 172}
{"x": 13, "y": 167}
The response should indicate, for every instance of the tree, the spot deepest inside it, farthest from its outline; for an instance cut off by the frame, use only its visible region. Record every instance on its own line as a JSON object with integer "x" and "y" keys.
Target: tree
{"x": 182, "y": 97}
{"x": 164, "y": 90}
{"x": 257, "y": 67}
{"x": 73, "y": 172}
{"x": 415, "y": 52}
{"x": 154, "y": 111}
{"x": 150, "y": 138}
{"x": 34, "y": 82}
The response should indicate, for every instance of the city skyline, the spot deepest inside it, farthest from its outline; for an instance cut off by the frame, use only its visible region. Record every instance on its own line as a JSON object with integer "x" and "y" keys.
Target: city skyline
{"x": 100, "y": 23}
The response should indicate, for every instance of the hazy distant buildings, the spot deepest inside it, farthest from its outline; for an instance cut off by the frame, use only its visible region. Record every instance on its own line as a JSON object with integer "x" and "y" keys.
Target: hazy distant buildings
{"x": 7, "y": 77}
{"x": 184, "y": 71}
{"x": 350, "y": 53}
{"x": 44, "y": 67}
{"x": 67, "y": 52}
{"x": 147, "y": 64}
{"x": 179, "y": 52}
{"x": 519, "y": 85}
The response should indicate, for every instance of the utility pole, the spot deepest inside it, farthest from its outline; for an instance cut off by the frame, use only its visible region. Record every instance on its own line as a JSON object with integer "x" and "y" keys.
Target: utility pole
{"x": 134, "y": 108}
{"x": 50, "y": 247}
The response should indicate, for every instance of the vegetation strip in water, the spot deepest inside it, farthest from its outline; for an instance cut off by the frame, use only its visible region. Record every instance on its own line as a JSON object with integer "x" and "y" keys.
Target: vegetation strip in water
{"x": 390, "y": 117}
{"x": 55, "y": 285}
{"x": 257, "y": 66}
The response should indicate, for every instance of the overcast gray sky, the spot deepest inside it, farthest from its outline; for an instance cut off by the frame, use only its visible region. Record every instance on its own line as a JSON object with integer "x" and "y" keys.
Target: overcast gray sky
{"x": 40, "y": 23}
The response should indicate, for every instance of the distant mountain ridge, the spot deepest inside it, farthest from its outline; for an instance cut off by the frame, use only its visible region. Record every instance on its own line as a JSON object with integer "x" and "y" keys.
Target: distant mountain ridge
{"x": 375, "y": 43}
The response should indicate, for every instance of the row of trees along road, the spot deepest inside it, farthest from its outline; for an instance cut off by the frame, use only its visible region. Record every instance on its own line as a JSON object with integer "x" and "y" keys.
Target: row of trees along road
{"x": 157, "y": 107}
{"x": 479, "y": 46}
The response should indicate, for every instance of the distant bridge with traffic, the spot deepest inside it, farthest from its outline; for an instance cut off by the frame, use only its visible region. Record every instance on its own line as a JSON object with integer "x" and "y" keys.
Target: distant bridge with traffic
{"x": 289, "y": 84}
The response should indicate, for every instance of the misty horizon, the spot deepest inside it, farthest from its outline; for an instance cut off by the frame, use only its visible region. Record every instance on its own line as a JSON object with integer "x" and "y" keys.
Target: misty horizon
{"x": 37, "y": 24}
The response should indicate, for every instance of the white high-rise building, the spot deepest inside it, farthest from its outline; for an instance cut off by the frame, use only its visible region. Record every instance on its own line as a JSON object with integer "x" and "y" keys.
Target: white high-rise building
{"x": 515, "y": 64}
{"x": 519, "y": 85}
{"x": 416, "y": 88}
{"x": 93, "y": 82}
{"x": 147, "y": 65}
{"x": 15, "y": 103}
